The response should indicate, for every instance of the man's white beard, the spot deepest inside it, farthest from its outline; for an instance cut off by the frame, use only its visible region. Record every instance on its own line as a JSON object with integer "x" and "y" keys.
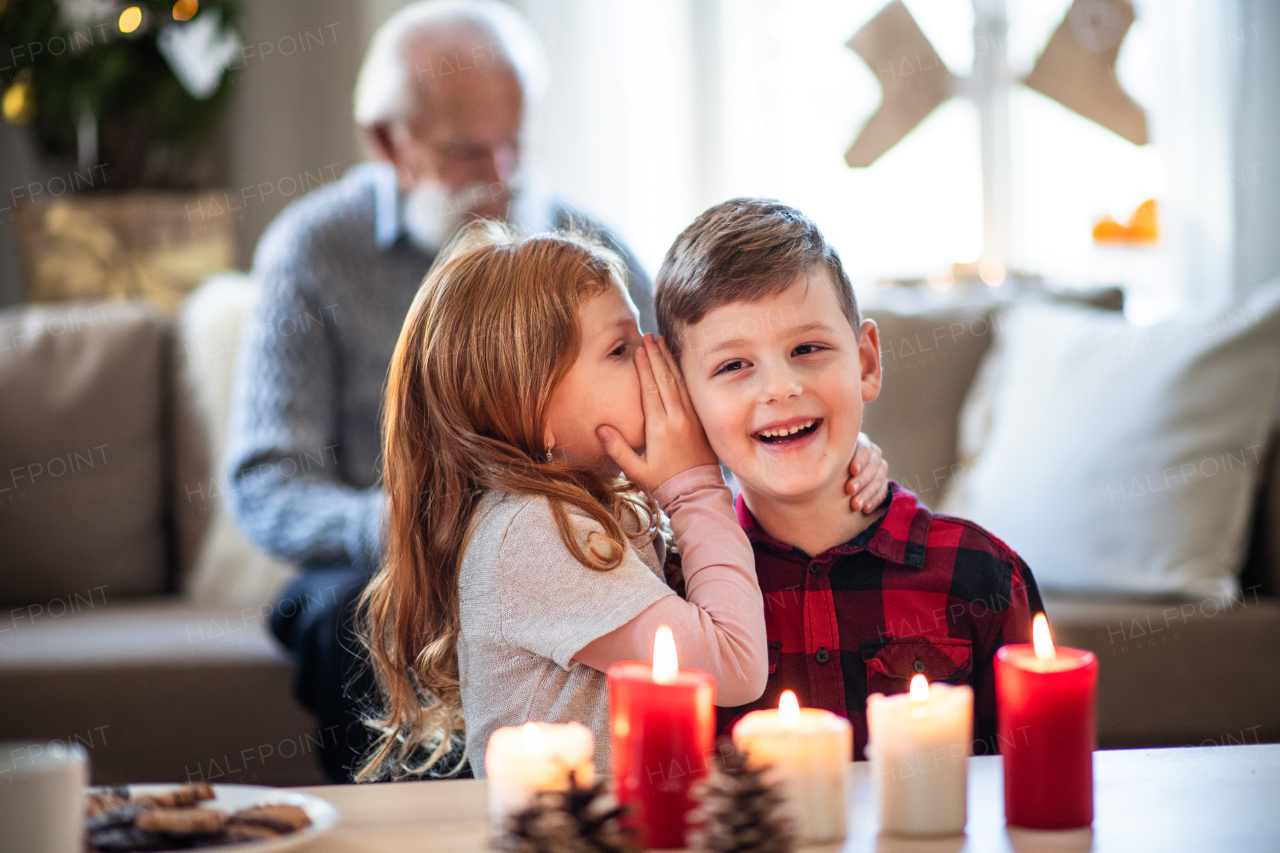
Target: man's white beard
{"x": 432, "y": 215}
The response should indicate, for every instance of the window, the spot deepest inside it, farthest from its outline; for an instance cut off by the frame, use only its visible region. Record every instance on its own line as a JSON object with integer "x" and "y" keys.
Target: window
{"x": 660, "y": 108}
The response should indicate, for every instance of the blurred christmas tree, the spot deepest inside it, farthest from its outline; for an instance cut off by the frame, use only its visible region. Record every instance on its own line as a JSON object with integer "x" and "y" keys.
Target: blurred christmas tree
{"x": 134, "y": 89}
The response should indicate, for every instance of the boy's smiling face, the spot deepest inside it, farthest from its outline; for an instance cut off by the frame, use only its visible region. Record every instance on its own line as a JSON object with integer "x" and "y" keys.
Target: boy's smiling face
{"x": 779, "y": 384}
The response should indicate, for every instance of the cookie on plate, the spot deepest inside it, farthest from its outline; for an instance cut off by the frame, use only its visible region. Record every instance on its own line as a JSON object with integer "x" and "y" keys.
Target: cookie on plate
{"x": 278, "y": 816}
{"x": 186, "y": 795}
{"x": 122, "y": 814}
{"x": 238, "y": 832}
{"x": 190, "y": 821}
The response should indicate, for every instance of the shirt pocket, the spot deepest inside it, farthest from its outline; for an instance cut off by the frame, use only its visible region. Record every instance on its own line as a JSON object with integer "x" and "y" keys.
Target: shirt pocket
{"x": 890, "y": 667}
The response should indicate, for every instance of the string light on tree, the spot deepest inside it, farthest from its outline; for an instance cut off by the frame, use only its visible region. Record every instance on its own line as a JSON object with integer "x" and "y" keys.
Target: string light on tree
{"x": 185, "y": 10}
{"x": 19, "y": 103}
{"x": 130, "y": 19}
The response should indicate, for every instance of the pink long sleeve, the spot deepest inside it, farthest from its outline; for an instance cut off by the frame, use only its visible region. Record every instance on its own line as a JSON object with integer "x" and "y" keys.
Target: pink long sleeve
{"x": 720, "y": 628}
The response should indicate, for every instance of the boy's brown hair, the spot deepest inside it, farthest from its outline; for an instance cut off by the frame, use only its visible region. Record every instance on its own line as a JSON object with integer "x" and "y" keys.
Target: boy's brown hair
{"x": 742, "y": 250}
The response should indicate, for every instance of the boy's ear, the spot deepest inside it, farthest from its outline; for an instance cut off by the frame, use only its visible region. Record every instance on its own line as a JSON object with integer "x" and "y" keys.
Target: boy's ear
{"x": 869, "y": 356}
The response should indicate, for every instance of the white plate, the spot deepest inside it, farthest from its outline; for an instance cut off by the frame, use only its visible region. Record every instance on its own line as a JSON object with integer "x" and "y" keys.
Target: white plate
{"x": 232, "y": 798}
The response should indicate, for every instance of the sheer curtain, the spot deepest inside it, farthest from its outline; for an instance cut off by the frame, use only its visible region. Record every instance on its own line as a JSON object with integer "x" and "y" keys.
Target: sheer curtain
{"x": 659, "y": 108}
{"x": 1192, "y": 122}
{"x": 1256, "y": 176}
{"x": 618, "y": 133}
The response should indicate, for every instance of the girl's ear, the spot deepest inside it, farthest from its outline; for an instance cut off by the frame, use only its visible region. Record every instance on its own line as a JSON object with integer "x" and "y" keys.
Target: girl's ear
{"x": 548, "y": 439}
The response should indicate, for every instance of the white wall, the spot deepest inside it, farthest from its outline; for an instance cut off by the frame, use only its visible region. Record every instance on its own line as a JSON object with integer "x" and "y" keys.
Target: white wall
{"x": 292, "y": 114}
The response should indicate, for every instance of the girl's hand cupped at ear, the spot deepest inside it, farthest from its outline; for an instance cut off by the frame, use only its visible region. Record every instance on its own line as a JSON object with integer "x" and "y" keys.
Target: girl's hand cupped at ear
{"x": 673, "y": 438}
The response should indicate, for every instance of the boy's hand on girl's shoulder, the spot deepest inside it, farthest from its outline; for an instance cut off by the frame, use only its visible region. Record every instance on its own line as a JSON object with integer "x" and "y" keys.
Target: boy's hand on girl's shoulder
{"x": 674, "y": 439}
{"x": 868, "y": 482}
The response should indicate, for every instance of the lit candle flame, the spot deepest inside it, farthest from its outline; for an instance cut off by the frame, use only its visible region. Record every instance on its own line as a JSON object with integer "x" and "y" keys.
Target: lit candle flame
{"x": 789, "y": 709}
{"x": 532, "y": 737}
{"x": 665, "y": 664}
{"x": 919, "y": 687}
{"x": 1040, "y": 638}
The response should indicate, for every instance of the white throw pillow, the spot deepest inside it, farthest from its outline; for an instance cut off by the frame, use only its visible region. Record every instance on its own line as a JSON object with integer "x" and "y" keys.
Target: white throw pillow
{"x": 228, "y": 570}
{"x": 1123, "y": 459}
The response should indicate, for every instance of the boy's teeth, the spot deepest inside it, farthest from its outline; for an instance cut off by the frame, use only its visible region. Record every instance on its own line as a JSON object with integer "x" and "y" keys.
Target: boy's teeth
{"x": 778, "y": 433}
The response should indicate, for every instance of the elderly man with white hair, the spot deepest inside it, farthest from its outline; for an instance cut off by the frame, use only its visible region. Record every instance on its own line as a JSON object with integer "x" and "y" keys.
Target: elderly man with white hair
{"x": 441, "y": 99}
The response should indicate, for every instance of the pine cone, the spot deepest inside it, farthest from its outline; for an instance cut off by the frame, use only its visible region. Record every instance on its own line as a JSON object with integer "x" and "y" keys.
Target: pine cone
{"x": 579, "y": 820}
{"x": 741, "y": 811}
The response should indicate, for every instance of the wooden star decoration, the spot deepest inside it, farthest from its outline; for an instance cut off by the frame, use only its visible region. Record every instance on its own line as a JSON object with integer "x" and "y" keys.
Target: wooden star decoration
{"x": 1076, "y": 69}
{"x": 912, "y": 77}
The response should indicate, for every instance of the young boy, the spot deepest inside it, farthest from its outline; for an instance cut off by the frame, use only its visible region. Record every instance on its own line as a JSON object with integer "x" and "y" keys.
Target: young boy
{"x": 778, "y": 362}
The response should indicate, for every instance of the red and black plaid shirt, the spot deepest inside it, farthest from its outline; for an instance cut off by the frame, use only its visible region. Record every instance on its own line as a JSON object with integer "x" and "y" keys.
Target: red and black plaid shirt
{"x": 914, "y": 592}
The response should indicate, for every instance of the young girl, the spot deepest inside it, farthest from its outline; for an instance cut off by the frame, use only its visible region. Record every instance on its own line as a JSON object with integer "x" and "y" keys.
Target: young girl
{"x": 519, "y": 564}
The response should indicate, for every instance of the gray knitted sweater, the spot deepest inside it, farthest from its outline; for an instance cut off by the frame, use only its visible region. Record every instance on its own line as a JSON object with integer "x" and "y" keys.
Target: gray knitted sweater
{"x": 336, "y": 277}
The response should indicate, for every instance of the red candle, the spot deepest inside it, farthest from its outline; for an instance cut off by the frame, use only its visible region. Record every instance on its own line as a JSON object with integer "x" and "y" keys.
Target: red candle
{"x": 662, "y": 724}
{"x": 1047, "y": 731}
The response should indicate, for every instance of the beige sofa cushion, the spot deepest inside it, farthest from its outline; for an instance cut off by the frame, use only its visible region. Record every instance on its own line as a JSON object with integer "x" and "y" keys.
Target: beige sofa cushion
{"x": 160, "y": 690}
{"x": 82, "y": 452}
{"x": 192, "y": 468}
{"x": 1181, "y": 672}
{"x": 1268, "y": 549}
{"x": 1262, "y": 569}
{"x": 224, "y": 567}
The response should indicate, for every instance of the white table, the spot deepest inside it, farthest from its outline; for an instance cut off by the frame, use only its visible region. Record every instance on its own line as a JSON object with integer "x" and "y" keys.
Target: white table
{"x": 1192, "y": 799}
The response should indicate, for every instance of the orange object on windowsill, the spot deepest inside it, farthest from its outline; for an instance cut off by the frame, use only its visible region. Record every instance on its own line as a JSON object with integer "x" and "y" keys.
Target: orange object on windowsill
{"x": 1142, "y": 227}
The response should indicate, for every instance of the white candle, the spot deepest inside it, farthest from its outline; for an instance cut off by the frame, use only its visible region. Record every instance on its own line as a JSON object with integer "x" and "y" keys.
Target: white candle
{"x": 919, "y": 746}
{"x": 523, "y": 760}
{"x": 808, "y": 749}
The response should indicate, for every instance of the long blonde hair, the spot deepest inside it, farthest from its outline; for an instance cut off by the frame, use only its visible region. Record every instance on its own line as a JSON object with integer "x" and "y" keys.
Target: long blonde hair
{"x": 491, "y": 333}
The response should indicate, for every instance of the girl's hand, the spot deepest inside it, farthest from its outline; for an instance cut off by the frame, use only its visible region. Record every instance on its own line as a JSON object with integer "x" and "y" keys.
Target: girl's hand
{"x": 868, "y": 477}
{"x": 673, "y": 438}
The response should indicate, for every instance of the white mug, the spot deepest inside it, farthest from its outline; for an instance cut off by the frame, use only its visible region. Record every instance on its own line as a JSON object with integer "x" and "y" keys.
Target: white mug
{"x": 42, "y": 796}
